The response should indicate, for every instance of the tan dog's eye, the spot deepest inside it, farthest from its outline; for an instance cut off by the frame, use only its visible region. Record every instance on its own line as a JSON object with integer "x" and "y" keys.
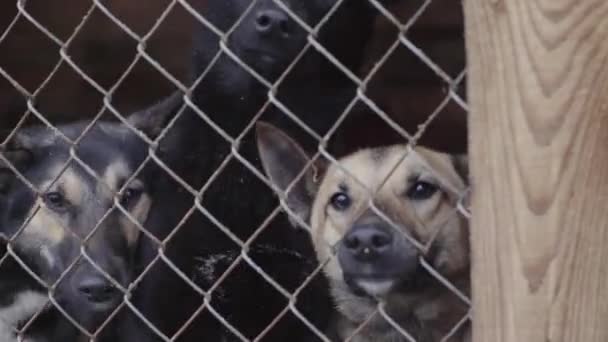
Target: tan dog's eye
{"x": 340, "y": 201}
{"x": 421, "y": 190}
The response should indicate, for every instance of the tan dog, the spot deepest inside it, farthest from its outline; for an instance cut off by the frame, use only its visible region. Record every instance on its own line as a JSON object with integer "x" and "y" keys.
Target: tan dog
{"x": 375, "y": 254}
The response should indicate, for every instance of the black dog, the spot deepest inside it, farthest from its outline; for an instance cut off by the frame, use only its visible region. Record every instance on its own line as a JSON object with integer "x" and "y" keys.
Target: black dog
{"x": 267, "y": 39}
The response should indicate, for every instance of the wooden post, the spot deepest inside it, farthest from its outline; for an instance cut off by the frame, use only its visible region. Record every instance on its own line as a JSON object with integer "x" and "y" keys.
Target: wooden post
{"x": 538, "y": 91}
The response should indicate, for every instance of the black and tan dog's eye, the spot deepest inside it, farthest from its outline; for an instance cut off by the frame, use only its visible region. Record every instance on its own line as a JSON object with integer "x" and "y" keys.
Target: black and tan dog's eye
{"x": 340, "y": 201}
{"x": 130, "y": 196}
{"x": 55, "y": 201}
{"x": 421, "y": 190}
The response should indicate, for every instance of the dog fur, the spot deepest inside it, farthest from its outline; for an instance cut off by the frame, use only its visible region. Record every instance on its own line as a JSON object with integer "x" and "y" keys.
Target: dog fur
{"x": 417, "y": 190}
{"x": 25, "y": 304}
{"x": 317, "y": 92}
{"x": 46, "y": 228}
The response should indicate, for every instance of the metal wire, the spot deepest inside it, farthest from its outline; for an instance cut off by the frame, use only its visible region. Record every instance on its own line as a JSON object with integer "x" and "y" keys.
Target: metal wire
{"x": 361, "y": 82}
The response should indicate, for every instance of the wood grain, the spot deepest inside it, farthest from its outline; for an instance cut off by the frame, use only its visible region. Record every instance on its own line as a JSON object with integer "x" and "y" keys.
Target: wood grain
{"x": 538, "y": 91}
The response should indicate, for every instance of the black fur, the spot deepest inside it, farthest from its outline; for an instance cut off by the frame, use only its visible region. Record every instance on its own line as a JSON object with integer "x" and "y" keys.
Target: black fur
{"x": 317, "y": 92}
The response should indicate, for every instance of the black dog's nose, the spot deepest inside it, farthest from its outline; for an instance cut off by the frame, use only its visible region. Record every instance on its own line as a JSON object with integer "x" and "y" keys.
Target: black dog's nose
{"x": 97, "y": 289}
{"x": 273, "y": 21}
{"x": 368, "y": 242}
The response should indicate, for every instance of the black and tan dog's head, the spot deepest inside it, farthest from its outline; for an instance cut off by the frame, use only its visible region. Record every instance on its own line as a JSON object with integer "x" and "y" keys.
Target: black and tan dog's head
{"x": 60, "y": 200}
{"x": 379, "y": 211}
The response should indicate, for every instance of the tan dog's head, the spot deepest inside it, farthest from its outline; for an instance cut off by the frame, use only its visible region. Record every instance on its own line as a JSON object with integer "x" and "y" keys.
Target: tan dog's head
{"x": 379, "y": 211}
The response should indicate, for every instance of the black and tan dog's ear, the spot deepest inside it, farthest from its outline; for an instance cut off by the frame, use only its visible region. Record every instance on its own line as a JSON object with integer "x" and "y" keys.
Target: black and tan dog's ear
{"x": 3, "y": 243}
{"x": 154, "y": 119}
{"x": 284, "y": 162}
{"x": 16, "y": 155}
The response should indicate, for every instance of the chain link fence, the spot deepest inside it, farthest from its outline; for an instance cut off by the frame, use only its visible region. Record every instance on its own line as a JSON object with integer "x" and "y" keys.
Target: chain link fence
{"x": 400, "y": 60}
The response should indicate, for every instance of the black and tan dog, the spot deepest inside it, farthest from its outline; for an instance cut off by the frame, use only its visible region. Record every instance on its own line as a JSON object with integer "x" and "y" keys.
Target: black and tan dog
{"x": 66, "y": 209}
{"x": 375, "y": 253}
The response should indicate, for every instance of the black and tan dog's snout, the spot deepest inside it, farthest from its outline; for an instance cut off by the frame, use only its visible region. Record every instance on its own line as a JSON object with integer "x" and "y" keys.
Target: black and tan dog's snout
{"x": 97, "y": 290}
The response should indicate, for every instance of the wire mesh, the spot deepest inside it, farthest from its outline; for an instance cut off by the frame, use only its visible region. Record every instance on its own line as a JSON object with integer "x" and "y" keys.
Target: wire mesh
{"x": 393, "y": 326}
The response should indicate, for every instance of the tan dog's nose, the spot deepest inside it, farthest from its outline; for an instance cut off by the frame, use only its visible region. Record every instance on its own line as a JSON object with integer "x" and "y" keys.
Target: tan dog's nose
{"x": 367, "y": 242}
{"x": 374, "y": 258}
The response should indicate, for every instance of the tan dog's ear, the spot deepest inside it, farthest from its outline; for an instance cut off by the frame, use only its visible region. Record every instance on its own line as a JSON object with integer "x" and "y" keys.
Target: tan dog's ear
{"x": 461, "y": 165}
{"x": 284, "y": 162}
{"x": 154, "y": 119}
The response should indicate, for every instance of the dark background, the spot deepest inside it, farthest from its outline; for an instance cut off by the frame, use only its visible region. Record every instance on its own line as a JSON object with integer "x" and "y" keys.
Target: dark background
{"x": 405, "y": 87}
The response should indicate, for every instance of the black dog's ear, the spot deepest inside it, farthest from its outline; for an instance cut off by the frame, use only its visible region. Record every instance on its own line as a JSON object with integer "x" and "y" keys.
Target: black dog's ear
{"x": 284, "y": 161}
{"x": 154, "y": 119}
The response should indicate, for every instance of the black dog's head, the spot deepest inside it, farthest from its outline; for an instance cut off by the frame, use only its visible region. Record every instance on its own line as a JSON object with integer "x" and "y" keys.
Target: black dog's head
{"x": 268, "y": 35}
{"x": 268, "y": 38}
{"x": 83, "y": 199}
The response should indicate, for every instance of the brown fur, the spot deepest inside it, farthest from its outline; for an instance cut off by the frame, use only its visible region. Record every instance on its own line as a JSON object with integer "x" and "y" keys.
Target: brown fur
{"x": 427, "y": 314}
